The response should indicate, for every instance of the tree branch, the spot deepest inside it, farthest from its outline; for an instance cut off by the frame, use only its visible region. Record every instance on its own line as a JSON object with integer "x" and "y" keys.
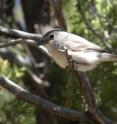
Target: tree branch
{"x": 19, "y": 34}
{"x": 44, "y": 104}
{"x": 22, "y": 38}
{"x": 56, "y": 5}
{"x": 23, "y": 61}
{"x": 93, "y": 109}
{"x": 15, "y": 58}
{"x": 17, "y": 41}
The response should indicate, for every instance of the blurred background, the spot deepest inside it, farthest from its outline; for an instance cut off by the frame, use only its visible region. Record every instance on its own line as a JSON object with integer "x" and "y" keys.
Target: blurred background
{"x": 95, "y": 20}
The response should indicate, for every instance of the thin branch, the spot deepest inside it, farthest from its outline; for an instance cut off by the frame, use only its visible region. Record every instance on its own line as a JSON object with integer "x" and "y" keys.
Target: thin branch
{"x": 94, "y": 10}
{"x": 19, "y": 34}
{"x": 26, "y": 38}
{"x": 37, "y": 82}
{"x": 16, "y": 41}
{"x": 56, "y": 5}
{"x": 22, "y": 61}
{"x": 15, "y": 58}
{"x": 42, "y": 103}
{"x": 90, "y": 100}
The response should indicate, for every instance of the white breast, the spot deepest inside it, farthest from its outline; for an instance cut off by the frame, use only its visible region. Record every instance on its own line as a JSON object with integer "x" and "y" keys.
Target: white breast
{"x": 82, "y": 58}
{"x": 57, "y": 56}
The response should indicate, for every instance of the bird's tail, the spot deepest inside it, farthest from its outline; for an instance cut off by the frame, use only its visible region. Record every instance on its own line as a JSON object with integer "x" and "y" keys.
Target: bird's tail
{"x": 108, "y": 57}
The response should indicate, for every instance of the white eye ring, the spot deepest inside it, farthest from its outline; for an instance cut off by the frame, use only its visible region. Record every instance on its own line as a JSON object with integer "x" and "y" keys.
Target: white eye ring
{"x": 51, "y": 36}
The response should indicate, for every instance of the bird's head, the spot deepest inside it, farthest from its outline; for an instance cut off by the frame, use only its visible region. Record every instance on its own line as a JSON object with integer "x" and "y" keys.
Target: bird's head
{"x": 55, "y": 35}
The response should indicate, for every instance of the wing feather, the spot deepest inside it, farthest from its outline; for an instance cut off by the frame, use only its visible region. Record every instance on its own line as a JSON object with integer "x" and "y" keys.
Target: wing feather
{"x": 76, "y": 43}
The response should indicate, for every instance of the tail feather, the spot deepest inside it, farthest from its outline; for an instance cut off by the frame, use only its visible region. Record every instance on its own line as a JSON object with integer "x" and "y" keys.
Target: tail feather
{"x": 108, "y": 57}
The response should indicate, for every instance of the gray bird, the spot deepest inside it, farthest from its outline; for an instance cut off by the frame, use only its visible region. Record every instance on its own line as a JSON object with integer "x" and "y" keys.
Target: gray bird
{"x": 84, "y": 54}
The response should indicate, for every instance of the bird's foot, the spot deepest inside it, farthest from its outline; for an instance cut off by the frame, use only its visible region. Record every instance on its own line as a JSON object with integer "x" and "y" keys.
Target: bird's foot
{"x": 71, "y": 65}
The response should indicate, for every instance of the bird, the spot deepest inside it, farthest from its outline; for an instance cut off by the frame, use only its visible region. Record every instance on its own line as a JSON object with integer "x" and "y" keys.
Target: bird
{"x": 65, "y": 48}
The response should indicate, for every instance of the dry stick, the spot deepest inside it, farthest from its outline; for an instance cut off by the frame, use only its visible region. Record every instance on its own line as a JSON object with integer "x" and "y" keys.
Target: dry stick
{"x": 15, "y": 58}
{"x": 17, "y": 41}
{"x": 26, "y": 38}
{"x": 42, "y": 103}
{"x": 83, "y": 79}
{"x": 58, "y": 13}
{"x": 19, "y": 34}
{"x": 93, "y": 109}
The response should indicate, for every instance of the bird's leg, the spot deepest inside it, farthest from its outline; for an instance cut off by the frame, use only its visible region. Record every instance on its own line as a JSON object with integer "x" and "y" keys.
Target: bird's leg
{"x": 71, "y": 65}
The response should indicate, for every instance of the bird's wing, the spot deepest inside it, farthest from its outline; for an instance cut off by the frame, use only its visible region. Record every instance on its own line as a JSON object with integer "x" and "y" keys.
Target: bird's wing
{"x": 76, "y": 43}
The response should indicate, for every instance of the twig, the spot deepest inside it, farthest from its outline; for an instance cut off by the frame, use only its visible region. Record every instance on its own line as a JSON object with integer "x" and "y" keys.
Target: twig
{"x": 26, "y": 38}
{"x": 22, "y": 61}
{"x": 15, "y": 58}
{"x": 90, "y": 99}
{"x": 44, "y": 104}
{"x": 56, "y": 5}
{"x": 17, "y": 41}
{"x": 19, "y": 34}
{"x": 92, "y": 6}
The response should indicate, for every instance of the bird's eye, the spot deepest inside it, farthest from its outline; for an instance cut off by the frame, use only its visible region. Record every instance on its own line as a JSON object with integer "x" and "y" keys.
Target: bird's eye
{"x": 51, "y": 36}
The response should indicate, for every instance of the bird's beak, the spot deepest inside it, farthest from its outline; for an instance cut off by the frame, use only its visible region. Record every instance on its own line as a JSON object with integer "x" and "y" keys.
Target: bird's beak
{"x": 41, "y": 41}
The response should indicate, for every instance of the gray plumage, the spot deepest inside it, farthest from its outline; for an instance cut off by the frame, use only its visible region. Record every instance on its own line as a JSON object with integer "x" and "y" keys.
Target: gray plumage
{"x": 86, "y": 55}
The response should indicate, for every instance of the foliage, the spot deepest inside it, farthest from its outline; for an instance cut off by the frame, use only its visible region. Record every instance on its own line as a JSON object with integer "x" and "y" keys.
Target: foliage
{"x": 8, "y": 102}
